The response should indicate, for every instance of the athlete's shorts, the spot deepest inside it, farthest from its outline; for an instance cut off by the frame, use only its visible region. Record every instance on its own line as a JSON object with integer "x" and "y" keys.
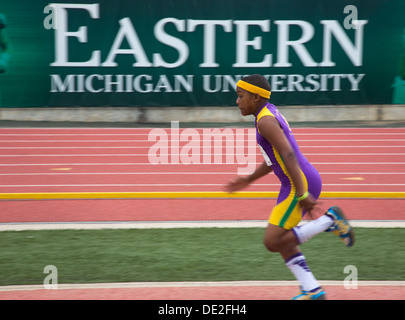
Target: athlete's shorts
{"x": 288, "y": 212}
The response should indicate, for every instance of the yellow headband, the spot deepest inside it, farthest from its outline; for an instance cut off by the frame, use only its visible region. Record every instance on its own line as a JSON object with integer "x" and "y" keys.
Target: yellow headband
{"x": 253, "y": 89}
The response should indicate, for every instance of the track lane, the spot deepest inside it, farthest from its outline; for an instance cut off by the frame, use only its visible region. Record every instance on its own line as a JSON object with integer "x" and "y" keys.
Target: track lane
{"x": 180, "y": 210}
{"x": 113, "y": 160}
{"x": 185, "y": 179}
{"x": 220, "y": 291}
{"x": 387, "y": 166}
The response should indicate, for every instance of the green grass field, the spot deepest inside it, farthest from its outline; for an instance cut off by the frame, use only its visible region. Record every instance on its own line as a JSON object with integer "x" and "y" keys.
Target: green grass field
{"x": 205, "y": 254}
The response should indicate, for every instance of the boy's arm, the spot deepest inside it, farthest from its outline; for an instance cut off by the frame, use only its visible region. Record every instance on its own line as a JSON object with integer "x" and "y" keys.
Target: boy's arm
{"x": 260, "y": 171}
{"x": 243, "y": 181}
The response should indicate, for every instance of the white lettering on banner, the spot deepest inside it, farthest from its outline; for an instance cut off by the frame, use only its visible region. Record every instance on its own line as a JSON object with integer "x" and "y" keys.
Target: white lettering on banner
{"x": 127, "y": 32}
{"x": 284, "y": 43}
{"x": 142, "y": 83}
{"x": 145, "y": 83}
{"x": 209, "y": 38}
{"x": 171, "y": 41}
{"x": 62, "y": 35}
{"x": 244, "y": 43}
{"x": 354, "y": 52}
{"x": 223, "y": 83}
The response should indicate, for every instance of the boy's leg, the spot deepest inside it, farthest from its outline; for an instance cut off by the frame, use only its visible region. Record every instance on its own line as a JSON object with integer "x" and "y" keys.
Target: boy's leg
{"x": 280, "y": 237}
{"x": 333, "y": 220}
{"x": 283, "y": 232}
{"x": 307, "y": 231}
{"x": 284, "y": 241}
{"x": 299, "y": 268}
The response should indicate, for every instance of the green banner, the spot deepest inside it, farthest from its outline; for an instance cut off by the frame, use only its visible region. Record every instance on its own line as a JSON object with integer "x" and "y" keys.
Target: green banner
{"x": 192, "y": 53}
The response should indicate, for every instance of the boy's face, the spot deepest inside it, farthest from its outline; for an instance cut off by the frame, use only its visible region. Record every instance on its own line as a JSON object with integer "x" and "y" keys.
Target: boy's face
{"x": 246, "y": 101}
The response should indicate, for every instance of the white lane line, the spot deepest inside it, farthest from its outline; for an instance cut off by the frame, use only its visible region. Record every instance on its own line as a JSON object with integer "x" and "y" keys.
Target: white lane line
{"x": 177, "y": 173}
{"x": 174, "y": 164}
{"x": 194, "y": 154}
{"x": 149, "y": 146}
{"x": 181, "y": 185}
{"x": 199, "y": 284}
{"x": 236, "y": 127}
{"x": 96, "y": 225}
{"x": 250, "y": 132}
{"x": 208, "y": 139}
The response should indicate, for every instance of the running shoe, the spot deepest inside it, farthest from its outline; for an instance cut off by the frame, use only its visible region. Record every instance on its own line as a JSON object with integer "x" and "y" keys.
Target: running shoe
{"x": 341, "y": 226}
{"x": 316, "y": 294}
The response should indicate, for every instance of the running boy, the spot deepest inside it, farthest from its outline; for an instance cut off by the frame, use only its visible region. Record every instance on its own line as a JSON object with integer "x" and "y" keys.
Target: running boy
{"x": 300, "y": 186}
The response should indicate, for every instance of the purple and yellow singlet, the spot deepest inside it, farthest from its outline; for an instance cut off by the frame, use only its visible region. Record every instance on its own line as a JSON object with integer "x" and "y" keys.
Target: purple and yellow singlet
{"x": 288, "y": 212}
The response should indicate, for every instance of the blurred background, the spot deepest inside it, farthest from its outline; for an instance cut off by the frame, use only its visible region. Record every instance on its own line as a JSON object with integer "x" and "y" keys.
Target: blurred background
{"x": 175, "y": 64}
{"x": 158, "y": 61}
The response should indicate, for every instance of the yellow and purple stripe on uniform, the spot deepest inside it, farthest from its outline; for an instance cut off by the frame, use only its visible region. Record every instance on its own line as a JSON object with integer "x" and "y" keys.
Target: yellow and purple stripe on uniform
{"x": 288, "y": 212}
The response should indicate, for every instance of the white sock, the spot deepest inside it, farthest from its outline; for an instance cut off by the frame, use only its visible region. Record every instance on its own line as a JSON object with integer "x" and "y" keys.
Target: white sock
{"x": 310, "y": 229}
{"x": 298, "y": 266}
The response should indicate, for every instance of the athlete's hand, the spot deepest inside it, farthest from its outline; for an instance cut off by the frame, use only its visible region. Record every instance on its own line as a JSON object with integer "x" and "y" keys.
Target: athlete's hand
{"x": 309, "y": 204}
{"x": 237, "y": 184}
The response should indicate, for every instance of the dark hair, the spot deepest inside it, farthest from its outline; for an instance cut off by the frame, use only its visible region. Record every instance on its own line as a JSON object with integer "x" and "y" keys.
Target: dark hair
{"x": 258, "y": 81}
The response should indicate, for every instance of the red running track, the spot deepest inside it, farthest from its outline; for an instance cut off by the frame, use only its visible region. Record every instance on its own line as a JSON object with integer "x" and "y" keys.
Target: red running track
{"x": 180, "y": 210}
{"x": 114, "y": 160}
{"x": 215, "y": 293}
{"x": 123, "y": 160}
